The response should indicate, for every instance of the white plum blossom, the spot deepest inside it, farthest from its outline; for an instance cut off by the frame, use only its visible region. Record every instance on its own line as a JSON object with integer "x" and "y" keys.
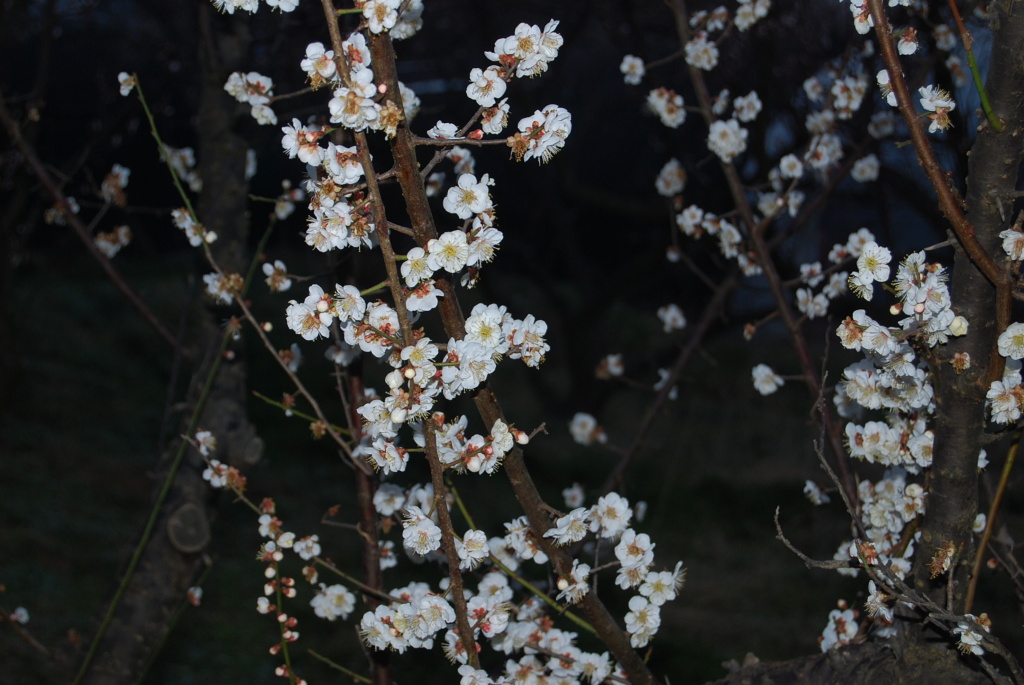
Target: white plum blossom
{"x": 469, "y": 197}
{"x": 529, "y": 48}
{"x": 381, "y": 15}
{"x": 485, "y": 86}
{"x": 570, "y": 528}
{"x": 971, "y": 638}
{"x": 219, "y": 288}
{"x": 672, "y": 317}
{"x": 342, "y": 163}
{"x": 642, "y": 621}
{"x": 766, "y": 381}
{"x": 302, "y": 142}
{"x": 424, "y": 297}
{"x": 420, "y": 534}
{"x": 671, "y": 179}
{"x": 574, "y": 588}
{"x": 885, "y": 87}
{"x": 632, "y": 68}
{"x": 747, "y": 107}
{"x": 701, "y": 53}
{"x": 661, "y": 586}
{"x": 815, "y": 494}
{"x": 541, "y": 135}
{"x": 333, "y": 601}
{"x": 865, "y": 169}
{"x": 790, "y": 166}
{"x": 449, "y": 251}
{"x": 610, "y": 516}
{"x": 940, "y": 104}
{"x": 840, "y": 630}
{"x": 319, "y": 64}
{"x": 585, "y": 429}
{"x": 749, "y": 12}
{"x": 277, "y": 276}
{"x": 442, "y": 130}
{"x": 126, "y": 83}
{"x": 727, "y": 139}
{"x": 1011, "y": 341}
{"x": 415, "y": 268}
{"x": 494, "y": 119}
{"x": 635, "y": 553}
{"x": 1013, "y": 243}
{"x": 573, "y": 495}
{"x": 907, "y": 44}
{"x": 668, "y": 106}
{"x": 216, "y": 474}
{"x": 872, "y": 265}
{"x": 472, "y": 549}
{"x": 811, "y": 305}
{"x": 410, "y": 101}
{"x": 354, "y": 106}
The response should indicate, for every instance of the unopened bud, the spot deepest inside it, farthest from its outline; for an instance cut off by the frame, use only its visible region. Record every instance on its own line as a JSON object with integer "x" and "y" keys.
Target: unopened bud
{"x": 919, "y": 308}
{"x": 322, "y": 306}
{"x": 522, "y": 438}
{"x": 958, "y": 326}
{"x": 896, "y": 309}
{"x": 267, "y": 327}
{"x": 474, "y": 463}
{"x": 394, "y": 379}
{"x": 475, "y": 134}
{"x": 399, "y": 415}
{"x": 563, "y": 584}
{"x": 409, "y": 372}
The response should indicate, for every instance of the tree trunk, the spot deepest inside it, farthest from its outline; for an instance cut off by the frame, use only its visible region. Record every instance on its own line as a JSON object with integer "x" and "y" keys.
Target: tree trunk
{"x": 173, "y": 556}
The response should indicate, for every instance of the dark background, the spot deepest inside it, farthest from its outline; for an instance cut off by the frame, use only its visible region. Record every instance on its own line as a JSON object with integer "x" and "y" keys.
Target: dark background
{"x": 88, "y": 400}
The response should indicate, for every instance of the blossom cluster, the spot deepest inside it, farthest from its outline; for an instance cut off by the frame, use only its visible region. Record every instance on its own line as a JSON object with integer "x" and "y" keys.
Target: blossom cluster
{"x": 887, "y": 398}
{"x": 421, "y": 371}
{"x": 253, "y": 89}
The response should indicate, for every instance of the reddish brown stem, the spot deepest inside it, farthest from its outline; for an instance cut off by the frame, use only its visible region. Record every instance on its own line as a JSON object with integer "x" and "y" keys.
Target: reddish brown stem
{"x": 948, "y": 203}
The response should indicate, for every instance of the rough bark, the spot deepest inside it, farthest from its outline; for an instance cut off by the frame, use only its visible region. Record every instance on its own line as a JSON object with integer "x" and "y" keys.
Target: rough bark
{"x": 863, "y": 664}
{"x": 960, "y": 423}
{"x": 173, "y": 556}
{"x": 921, "y": 654}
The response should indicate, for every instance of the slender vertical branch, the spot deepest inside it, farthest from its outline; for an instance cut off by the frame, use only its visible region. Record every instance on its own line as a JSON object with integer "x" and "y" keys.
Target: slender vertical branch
{"x": 444, "y": 517}
{"x": 972, "y": 64}
{"x": 756, "y": 228}
{"x": 948, "y": 203}
{"x": 990, "y": 522}
{"x": 411, "y": 183}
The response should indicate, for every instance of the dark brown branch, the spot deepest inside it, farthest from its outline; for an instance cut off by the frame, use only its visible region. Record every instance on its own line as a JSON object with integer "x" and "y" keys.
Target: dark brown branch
{"x": 409, "y": 178}
{"x": 756, "y": 234}
{"x": 948, "y": 203}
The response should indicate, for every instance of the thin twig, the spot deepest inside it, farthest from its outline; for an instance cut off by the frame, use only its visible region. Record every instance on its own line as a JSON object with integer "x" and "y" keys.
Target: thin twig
{"x": 990, "y": 522}
{"x": 60, "y": 200}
